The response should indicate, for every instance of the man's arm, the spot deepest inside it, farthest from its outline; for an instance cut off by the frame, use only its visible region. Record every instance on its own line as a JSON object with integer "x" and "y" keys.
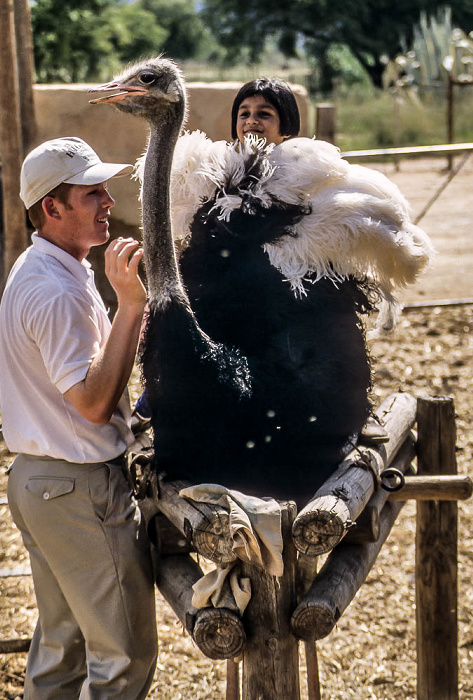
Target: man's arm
{"x": 98, "y": 394}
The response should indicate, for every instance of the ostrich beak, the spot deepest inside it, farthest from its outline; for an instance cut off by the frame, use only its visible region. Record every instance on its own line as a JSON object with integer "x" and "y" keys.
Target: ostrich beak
{"x": 124, "y": 91}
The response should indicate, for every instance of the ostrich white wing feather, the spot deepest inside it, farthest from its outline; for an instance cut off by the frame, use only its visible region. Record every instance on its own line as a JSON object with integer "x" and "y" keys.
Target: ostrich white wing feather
{"x": 301, "y": 166}
{"x": 190, "y": 185}
{"x": 357, "y": 222}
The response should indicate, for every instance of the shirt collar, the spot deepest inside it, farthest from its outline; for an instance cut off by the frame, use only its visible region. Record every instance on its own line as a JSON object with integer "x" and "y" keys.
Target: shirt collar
{"x": 80, "y": 270}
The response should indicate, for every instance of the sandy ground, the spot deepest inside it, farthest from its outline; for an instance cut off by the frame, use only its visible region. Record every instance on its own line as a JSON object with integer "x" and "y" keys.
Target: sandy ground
{"x": 371, "y": 653}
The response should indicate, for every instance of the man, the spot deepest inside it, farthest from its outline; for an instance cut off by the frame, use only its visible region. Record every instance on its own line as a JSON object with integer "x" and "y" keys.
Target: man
{"x": 65, "y": 411}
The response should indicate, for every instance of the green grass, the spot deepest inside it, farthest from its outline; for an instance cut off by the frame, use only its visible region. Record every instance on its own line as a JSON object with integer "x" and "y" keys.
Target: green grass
{"x": 378, "y": 119}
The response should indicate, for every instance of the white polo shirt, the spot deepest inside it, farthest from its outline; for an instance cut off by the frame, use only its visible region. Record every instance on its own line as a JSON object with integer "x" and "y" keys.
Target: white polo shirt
{"x": 52, "y": 324}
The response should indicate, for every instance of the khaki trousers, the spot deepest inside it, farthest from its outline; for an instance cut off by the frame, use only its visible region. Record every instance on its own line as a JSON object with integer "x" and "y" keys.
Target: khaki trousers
{"x": 96, "y": 634}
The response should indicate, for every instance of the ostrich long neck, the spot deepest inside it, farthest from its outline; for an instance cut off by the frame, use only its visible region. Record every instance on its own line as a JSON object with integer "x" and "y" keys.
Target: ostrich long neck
{"x": 160, "y": 259}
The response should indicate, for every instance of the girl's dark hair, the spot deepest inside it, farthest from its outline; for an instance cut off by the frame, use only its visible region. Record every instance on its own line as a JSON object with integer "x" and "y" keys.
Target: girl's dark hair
{"x": 280, "y": 95}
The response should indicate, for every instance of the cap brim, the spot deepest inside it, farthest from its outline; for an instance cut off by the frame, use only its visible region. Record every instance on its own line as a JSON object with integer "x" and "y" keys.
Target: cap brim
{"x": 101, "y": 172}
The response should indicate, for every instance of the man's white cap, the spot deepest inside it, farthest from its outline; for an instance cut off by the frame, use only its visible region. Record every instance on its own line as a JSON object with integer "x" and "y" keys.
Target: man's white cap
{"x": 69, "y": 160}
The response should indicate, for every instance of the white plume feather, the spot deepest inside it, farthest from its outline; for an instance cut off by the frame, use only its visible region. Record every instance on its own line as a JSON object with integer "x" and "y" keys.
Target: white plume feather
{"x": 357, "y": 222}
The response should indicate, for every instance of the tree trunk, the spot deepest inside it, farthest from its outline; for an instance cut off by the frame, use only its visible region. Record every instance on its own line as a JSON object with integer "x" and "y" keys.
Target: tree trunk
{"x": 14, "y": 223}
{"x": 25, "y": 63}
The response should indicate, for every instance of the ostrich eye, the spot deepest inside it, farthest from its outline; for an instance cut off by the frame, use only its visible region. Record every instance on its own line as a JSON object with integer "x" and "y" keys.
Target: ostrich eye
{"x": 147, "y": 77}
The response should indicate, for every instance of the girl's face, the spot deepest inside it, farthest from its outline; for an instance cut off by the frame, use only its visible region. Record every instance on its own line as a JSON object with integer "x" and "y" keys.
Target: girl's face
{"x": 258, "y": 116}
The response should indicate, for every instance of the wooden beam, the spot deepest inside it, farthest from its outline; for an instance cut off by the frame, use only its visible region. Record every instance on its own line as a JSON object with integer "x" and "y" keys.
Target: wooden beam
{"x": 368, "y": 525}
{"x": 434, "y": 150}
{"x": 436, "y": 302}
{"x": 434, "y": 488}
{"x": 338, "y": 503}
{"x": 14, "y": 646}
{"x": 436, "y": 558}
{"x": 219, "y": 633}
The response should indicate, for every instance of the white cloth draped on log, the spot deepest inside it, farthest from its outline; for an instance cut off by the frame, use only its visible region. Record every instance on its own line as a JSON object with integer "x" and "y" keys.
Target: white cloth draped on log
{"x": 255, "y": 528}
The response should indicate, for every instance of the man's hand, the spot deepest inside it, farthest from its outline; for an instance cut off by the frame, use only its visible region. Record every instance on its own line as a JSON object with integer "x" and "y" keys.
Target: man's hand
{"x": 97, "y": 396}
{"x": 121, "y": 268}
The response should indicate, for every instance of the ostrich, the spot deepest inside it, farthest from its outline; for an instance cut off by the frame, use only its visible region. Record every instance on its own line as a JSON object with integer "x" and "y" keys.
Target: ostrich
{"x": 258, "y": 377}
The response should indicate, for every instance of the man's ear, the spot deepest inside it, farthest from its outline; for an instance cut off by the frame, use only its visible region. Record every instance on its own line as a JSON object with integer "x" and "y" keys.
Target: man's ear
{"x": 50, "y": 209}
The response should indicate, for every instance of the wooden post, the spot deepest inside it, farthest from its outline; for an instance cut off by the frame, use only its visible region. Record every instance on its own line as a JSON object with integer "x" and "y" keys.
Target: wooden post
{"x": 232, "y": 691}
{"x": 270, "y": 656}
{"x": 14, "y": 224}
{"x": 25, "y": 64}
{"x": 450, "y": 83}
{"x": 325, "y": 122}
{"x": 306, "y": 573}
{"x": 436, "y": 558}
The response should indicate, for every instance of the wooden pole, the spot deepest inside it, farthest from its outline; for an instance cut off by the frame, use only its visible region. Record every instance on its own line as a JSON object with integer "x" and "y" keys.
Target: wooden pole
{"x": 306, "y": 573}
{"x": 232, "y": 691}
{"x": 450, "y": 83}
{"x": 270, "y": 656}
{"x": 14, "y": 646}
{"x": 434, "y": 488}
{"x": 435, "y": 150}
{"x": 325, "y": 122}
{"x": 368, "y": 525}
{"x": 25, "y": 63}
{"x": 14, "y": 224}
{"x": 436, "y": 558}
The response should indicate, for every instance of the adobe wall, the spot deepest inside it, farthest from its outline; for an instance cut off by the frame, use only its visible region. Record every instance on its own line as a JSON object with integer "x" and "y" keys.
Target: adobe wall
{"x": 64, "y": 110}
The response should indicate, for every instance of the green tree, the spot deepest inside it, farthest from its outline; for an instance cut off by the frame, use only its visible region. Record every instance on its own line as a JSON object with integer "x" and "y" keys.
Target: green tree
{"x": 67, "y": 42}
{"x": 187, "y": 35}
{"x": 369, "y": 28}
{"x": 86, "y": 40}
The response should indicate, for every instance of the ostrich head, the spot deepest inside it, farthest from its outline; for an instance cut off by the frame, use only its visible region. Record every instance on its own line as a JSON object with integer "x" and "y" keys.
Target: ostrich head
{"x": 154, "y": 89}
{"x": 149, "y": 89}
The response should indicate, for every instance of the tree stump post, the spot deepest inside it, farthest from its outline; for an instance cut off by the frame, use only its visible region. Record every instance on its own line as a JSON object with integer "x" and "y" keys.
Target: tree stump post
{"x": 270, "y": 656}
{"x": 436, "y": 558}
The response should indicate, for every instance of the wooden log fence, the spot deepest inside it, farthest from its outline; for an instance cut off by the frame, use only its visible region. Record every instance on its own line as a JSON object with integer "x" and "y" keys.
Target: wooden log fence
{"x": 306, "y": 605}
{"x": 325, "y": 520}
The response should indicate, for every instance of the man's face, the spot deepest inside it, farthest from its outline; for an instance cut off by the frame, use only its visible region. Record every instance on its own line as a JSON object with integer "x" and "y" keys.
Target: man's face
{"x": 84, "y": 219}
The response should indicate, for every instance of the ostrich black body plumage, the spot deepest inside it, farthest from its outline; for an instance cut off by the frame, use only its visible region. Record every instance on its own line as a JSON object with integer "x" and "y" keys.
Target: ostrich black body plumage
{"x": 250, "y": 386}
{"x": 308, "y": 367}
